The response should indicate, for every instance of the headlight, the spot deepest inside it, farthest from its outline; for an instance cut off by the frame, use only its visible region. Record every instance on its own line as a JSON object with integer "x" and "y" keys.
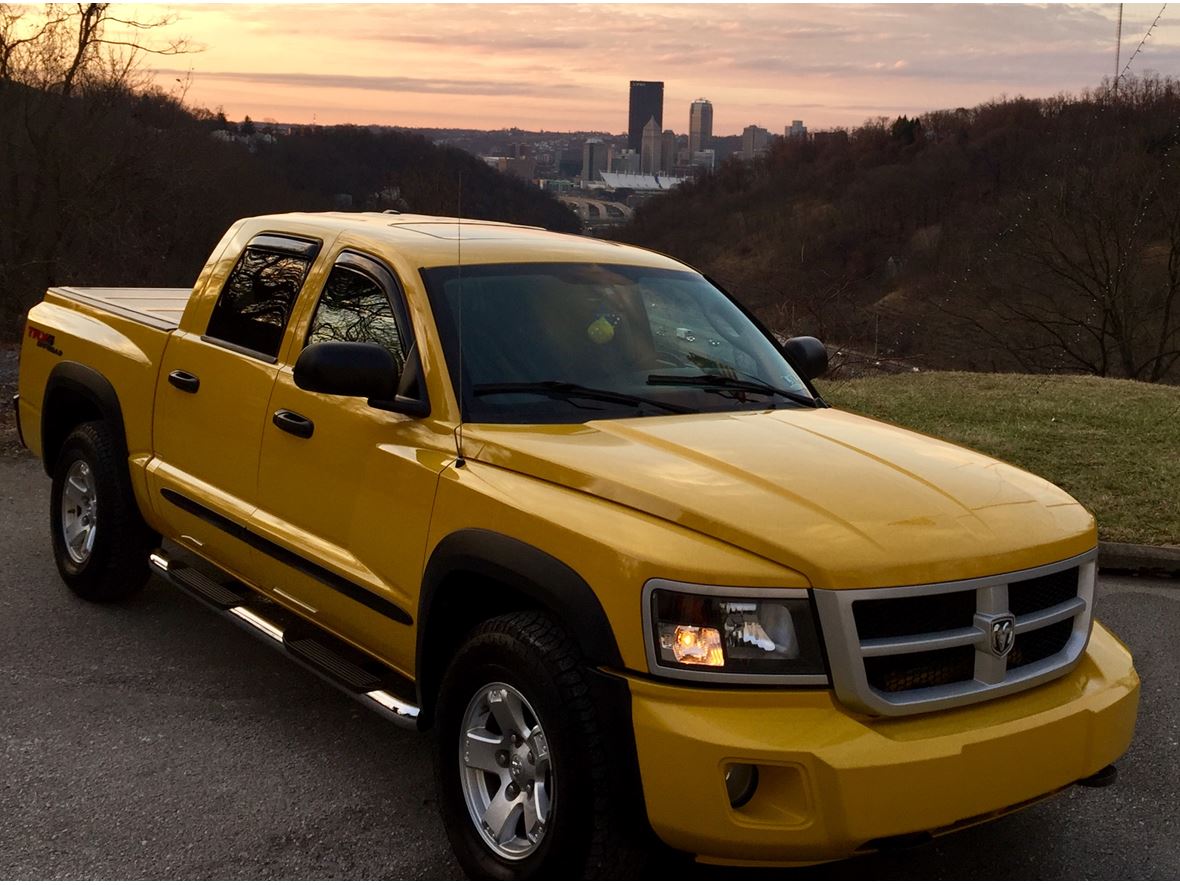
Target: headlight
{"x": 732, "y": 635}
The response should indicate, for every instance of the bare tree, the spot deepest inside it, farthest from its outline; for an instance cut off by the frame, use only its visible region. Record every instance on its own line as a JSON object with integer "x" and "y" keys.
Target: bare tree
{"x": 1087, "y": 277}
{"x": 63, "y": 69}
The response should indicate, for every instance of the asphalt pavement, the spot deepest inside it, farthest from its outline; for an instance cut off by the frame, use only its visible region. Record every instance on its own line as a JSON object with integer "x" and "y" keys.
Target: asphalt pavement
{"x": 151, "y": 739}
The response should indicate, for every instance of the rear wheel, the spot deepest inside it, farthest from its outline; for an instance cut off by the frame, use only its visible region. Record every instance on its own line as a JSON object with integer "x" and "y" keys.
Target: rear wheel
{"x": 100, "y": 541}
{"x": 523, "y": 772}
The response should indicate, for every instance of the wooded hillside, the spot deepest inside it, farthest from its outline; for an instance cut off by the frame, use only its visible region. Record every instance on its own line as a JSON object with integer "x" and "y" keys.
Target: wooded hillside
{"x": 105, "y": 180}
{"x": 1030, "y": 234}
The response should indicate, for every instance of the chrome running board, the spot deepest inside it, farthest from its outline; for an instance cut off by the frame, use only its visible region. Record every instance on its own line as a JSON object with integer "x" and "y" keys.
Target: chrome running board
{"x": 367, "y": 682}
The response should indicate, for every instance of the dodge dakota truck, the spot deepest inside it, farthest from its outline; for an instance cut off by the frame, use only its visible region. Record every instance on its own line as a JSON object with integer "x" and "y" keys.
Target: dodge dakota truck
{"x": 571, "y": 507}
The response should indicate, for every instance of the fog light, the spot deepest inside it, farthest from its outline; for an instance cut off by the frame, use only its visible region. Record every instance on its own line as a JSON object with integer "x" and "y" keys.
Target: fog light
{"x": 741, "y": 780}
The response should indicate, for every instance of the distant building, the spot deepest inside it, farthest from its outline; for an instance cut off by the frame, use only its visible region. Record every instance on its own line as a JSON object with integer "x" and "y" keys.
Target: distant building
{"x": 626, "y": 162}
{"x": 641, "y": 182}
{"x": 649, "y": 153}
{"x": 520, "y": 167}
{"x": 700, "y": 125}
{"x": 755, "y": 141}
{"x": 251, "y": 141}
{"x": 667, "y": 151}
{"x": 796, "y": 130}
{"x": 705, "y": 159}
{"x": 647, "y": 103}
{"x": 595, "y": 159}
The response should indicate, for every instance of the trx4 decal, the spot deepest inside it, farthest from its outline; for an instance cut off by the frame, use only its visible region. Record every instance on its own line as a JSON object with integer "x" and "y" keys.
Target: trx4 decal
{"x": 43, "y": 339}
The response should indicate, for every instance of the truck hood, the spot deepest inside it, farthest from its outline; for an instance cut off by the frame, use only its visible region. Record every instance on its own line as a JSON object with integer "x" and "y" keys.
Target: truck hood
{"x": 848, "y": 501}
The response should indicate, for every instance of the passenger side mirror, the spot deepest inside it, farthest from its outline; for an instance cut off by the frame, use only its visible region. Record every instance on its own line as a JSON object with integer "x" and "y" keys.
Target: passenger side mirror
{"x": 808, "y": 355}
{"x": 348, "y": 368}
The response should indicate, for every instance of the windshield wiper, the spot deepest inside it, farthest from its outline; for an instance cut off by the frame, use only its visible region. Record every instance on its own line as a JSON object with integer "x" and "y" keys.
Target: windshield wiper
{"x": 724, "y": 382}
{"x": 567, "y": 390}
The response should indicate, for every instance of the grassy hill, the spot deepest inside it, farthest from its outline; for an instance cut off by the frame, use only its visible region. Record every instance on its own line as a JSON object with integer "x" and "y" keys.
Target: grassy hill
{"x": 1112, "y": 444}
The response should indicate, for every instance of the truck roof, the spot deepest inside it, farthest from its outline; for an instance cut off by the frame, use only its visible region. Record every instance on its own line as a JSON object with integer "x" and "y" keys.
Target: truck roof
{"x": 433, "y": 241}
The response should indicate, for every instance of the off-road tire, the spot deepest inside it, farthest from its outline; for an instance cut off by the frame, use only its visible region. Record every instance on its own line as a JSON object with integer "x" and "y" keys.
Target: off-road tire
{"x": 592, "y": 831}
{"x": 116, "y": 566}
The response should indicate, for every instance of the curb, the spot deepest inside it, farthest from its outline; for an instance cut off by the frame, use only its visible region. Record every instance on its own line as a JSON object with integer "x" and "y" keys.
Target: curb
{"x": 1138, "y": 557}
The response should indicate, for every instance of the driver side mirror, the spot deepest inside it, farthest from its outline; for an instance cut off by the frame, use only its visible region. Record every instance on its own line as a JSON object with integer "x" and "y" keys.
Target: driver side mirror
{"x": 348, "y": 368}
{"x": 808, "y": 355}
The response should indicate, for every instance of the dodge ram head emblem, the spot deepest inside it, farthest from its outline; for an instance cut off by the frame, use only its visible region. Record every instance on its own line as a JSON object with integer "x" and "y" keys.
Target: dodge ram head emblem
{"x": 1003, "y": 635}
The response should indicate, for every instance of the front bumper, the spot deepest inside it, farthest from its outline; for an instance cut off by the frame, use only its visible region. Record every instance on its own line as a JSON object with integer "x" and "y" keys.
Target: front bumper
{"x": 832, "y": 781}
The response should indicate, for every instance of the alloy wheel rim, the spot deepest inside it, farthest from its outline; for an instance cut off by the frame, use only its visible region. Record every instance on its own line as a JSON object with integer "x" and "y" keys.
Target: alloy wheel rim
{"x": 78, "y": 512}
{"x": 506, "y": 771}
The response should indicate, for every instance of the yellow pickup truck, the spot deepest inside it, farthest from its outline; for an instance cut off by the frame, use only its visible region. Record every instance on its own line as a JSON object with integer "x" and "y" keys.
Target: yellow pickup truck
{"x": 570, "y": 506}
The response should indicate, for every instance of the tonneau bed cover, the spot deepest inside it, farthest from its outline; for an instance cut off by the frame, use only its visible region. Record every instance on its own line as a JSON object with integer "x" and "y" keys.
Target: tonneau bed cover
{"x": 160, "y": 308}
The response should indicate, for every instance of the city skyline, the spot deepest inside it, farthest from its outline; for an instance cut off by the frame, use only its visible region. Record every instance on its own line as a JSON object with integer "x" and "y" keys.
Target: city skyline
{"x": 567, "y": 68}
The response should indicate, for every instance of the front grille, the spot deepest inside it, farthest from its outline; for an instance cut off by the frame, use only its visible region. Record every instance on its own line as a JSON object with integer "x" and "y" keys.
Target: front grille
{"x": 901, "y": 650}
{"x": 922, "y": 669}
{"x": 1025, "y": 597}
{"x": 1036, "y": 645}
{"x": 882, "y": 618}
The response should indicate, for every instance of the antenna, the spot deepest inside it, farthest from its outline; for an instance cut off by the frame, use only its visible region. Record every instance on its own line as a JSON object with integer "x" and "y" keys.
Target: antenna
{"x": 1118, "y": 50}
{"x": 459, "y": 459}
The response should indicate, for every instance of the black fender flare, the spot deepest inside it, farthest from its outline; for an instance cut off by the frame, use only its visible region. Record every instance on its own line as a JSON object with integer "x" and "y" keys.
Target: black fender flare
{"x": 529, "y": 571}
{"x": 88, "y": 384}
{"x": 544, "y": 579}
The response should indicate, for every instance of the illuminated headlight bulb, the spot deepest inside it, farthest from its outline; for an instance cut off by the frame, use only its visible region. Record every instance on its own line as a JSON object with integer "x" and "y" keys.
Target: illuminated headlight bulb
{"x": 695, "y": 645}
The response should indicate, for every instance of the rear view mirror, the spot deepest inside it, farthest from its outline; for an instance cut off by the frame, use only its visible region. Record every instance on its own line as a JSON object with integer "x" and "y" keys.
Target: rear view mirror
{"x": 808, "y": 355}
{"x": 347, "y": 368}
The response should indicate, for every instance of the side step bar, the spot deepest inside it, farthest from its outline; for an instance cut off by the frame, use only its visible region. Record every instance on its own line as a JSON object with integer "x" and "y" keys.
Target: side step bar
{"x": 237, "y": 603}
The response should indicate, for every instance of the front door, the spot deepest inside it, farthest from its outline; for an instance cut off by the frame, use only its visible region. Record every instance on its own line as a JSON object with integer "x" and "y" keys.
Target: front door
{"x": 345, "y": 488}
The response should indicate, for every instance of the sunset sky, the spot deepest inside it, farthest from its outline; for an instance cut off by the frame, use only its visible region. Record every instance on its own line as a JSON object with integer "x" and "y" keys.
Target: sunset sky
{"x": 564, "y": 67}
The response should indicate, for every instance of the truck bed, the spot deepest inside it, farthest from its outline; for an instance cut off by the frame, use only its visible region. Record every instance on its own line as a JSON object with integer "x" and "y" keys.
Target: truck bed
{"x": 160, "y": 308}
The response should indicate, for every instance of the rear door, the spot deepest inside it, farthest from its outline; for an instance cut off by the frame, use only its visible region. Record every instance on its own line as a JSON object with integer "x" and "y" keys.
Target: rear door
{"x": 211, "y": 400}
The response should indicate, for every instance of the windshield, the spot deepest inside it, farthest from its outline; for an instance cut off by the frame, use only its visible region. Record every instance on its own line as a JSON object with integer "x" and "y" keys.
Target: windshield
{"x": 551, "y": 342}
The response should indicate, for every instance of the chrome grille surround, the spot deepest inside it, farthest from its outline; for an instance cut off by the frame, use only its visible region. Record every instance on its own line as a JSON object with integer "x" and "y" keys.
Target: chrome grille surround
{"x": 992, "y": 677}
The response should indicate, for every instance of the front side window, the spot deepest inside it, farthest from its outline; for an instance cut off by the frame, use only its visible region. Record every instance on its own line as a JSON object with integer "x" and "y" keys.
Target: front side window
{"x": 256, "y": 302}
{"x": 558, "y": 342}
{"x": 354, "y": 307}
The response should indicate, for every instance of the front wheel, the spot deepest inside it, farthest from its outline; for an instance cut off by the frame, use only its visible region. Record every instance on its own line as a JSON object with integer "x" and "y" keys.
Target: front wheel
{"x": 506, "y": 771}
{"x": 522, "y": 766}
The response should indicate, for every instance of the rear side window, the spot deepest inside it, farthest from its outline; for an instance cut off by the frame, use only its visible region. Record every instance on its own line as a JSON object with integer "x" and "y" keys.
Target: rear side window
{"x": 256, "y": 302}
{"x": 354, "y": 307}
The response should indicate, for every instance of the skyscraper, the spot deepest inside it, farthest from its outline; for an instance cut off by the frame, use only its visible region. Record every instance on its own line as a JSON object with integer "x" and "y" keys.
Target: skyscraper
{"x": 651, "y": 144}
{"x": 755, "y": 140}
{"x": 595, "y": 159}
{"x": 647, "y": 103}
{"x": 668, "y": 151}
{"x": 700, "y": 125}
